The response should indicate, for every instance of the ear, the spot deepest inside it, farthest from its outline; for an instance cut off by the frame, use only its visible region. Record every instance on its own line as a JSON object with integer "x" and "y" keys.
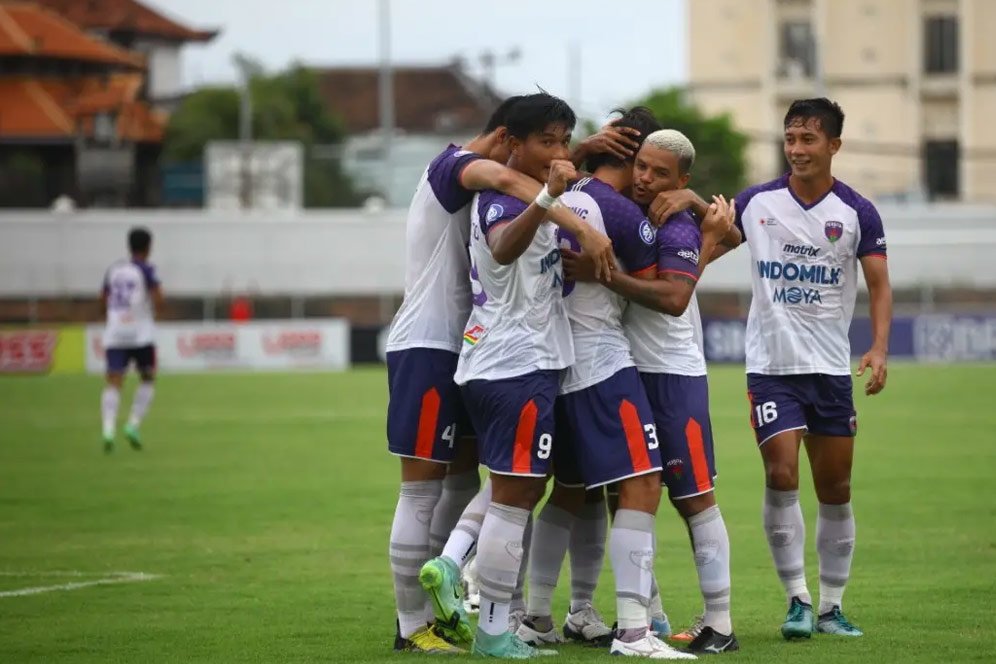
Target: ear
{"x": 501, "y": 135}
{"x": 835, "y": 144}
{"x": 683, "y": 180}
{"x": 514, "y": 144}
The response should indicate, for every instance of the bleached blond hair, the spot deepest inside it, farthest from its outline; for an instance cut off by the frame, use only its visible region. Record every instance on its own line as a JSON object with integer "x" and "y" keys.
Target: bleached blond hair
{"x": 677, "y": 143}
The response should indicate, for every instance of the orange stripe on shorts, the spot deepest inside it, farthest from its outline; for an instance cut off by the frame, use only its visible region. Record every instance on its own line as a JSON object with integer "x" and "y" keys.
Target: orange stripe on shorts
{"x": 696, "y": 450}
{"x": 525, "y": 431}
{"x": 633, "y": 429}
{"x": 427, "y": 419}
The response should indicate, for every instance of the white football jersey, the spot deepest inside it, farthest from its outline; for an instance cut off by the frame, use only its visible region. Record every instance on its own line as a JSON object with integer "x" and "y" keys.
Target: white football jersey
{"x": 437, "y": 291}
{"x": 600, "y": 345}
{"x": 130, "y": 322}
{"x": 804, "y": 275}
{"x": 663, "y": 343}
{"x": 518, "y": 323}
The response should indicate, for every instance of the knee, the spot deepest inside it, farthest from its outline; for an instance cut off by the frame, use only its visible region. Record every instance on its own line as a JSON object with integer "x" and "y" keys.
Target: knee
{"x": 641, "y": 493}
{"x": 782, "y": 476}
{"x": 569, "y": 499}
{"x": 689, "y": 507}
{"x": 834, "y": 492}
{"x": 519, "y": 492}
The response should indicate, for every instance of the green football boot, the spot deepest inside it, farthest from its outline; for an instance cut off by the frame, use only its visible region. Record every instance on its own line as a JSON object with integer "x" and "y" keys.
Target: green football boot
{"x": 505, "y": 646}
{"x": 799, "y": 623}
{"x": 131, "y": 433}
{"x": 834, "y": 622}
{"x": 440, "y": 577}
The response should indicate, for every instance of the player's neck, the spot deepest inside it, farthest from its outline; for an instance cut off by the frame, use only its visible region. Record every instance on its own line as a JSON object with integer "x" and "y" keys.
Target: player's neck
{"x": 810, "y": 190}
{"x": 617, "y": 178}
{"x": 482, "y": 144}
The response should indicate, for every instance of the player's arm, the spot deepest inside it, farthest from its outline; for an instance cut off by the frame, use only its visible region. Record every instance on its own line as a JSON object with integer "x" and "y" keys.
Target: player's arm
{"x": 668, "y": 203}
{"x": 510, "y": 239}
{"x": 483, "y": 174}
{"x": 158, "y": 299}
{"x": 876, "y": 271}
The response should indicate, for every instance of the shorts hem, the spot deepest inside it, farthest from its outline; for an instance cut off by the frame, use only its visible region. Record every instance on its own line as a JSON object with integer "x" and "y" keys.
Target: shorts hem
{"x": 569, "y": 485}
{"x": 624, "y": 477}
{"x": 509, "y": 473}
{"x": 412, "y": 456}
{"x": 693, "y": 495}
{"x": 802, "y": 427}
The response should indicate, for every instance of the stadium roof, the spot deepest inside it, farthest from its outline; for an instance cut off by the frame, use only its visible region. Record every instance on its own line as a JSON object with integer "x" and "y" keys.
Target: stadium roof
{"x": 126, "y": 16}
{"x": 427, "y": 99}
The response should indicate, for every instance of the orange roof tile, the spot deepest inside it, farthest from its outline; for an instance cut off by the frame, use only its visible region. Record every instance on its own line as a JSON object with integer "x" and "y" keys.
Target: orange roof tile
{"x": 125, "y": 15}
{"x": 29, "y": 30}
{"x": 46, "y": 109}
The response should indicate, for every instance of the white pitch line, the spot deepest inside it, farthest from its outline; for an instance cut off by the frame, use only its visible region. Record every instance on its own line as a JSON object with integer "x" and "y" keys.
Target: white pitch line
{"x": 119, "y": 577}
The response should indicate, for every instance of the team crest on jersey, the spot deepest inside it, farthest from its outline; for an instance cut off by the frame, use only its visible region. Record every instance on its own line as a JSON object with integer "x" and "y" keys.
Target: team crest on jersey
{"x": 494, "y": 212}
{"x": 647, "y": 233}
{"x": 473, "y": 335}
{"x": 833, "y": 230}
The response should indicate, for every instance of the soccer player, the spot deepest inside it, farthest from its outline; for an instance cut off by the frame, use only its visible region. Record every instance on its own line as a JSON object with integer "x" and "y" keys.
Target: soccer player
{"x": 516, "y": 343}
{"x": 807, "y": 233}
{"x": 131, "y": 296}
{"x": 572, "y": 519}
{"x": 425, "y": 412}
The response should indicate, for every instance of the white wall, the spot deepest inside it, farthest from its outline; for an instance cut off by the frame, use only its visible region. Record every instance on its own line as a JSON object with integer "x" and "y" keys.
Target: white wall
{"x": 354, "y": 252}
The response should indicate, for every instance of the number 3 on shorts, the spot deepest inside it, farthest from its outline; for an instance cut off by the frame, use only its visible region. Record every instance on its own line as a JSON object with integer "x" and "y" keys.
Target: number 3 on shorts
{"x": 544, "y": 446}
{"x": 766, "y": 413}
{"x": 651, "y": 430}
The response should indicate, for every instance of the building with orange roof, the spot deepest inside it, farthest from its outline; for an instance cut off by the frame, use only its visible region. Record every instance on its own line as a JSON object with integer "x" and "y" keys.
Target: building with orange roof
{"x": 75, "y": 115}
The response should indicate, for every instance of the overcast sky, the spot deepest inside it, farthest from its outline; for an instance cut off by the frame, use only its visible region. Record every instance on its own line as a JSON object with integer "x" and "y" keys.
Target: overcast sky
{"x": 626, "y": 47}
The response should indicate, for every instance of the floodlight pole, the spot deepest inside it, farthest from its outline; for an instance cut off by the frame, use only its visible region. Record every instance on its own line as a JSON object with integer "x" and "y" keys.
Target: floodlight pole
{"x": 385, "y": 96}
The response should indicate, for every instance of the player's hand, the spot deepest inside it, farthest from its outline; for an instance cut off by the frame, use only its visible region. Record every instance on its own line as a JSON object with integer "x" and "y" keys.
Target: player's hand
{"x": 597, "y": 247}
{"x": 668, "y": 203}
{"x": 876, "y": 361}
{"x": 561, "y": 172}
{"x": 578, "y": 267}
{"x": 613, "y": 140}
{"x": 719, "y": 220}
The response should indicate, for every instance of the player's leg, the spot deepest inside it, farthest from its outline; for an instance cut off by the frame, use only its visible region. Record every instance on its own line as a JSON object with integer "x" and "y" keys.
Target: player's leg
{"x": 420, "y": 431}
{"x": 550, "y": 540}
{"x": 462, "y": 483}
{"x": 681, "y": 408}
{"x": 110, "y": 398}
{"x": 145, "y": 360}
{"x": 779, "y": 421}
{"x": 515, "y": 423}
{"x": 587, "y": 552}
{"x": 830, "y": 446}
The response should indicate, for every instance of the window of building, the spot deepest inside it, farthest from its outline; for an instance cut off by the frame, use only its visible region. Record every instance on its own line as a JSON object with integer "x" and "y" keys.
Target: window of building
{"x": 104, "y": 129}
{"x": 941, "y": 168}
{"x": 940, "y": 44}
{"x": 797, "y": 49}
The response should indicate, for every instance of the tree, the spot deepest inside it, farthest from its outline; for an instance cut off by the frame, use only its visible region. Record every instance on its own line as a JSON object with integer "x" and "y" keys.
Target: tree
{"x": 720, "y": 161}
{"x": 285, "y": 106}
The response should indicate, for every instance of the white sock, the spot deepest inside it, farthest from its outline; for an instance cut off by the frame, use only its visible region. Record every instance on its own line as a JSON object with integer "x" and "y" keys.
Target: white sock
{"x": 462, "y": 541}
{"x": 518, "y": 602}
{"x": 551, "y": 537}
{"x": 140, "y": 404}
{"x": 656, "y": 609}
{"x": 712, "y": 562}
{"x": 835, "y": 546}
{"x": 587, "y": 549}
{"x": 458, "y": 490}
{"x": 109, "y": 400}
{"x": 409, "y": 550}
{"x": 499, "y": 557}
{"x": 631, "y": 548}
{"x": 786, "y": 532}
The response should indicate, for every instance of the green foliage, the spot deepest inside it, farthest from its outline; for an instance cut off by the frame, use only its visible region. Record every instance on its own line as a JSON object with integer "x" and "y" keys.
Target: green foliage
{"x": 720, "y": 160}
{"x": 285, "y": 106}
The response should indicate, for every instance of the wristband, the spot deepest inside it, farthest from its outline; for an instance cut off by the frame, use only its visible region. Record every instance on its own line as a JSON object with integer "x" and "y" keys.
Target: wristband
{"x": 544, "y": 199}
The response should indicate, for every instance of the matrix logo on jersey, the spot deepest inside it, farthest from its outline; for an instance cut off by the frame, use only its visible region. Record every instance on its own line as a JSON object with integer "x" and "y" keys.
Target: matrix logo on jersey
{"x": 801, "y": 250}
{"x": 647, "y": 233}
{"x": 495, "y": 211}
{"x": 833, "y": 230}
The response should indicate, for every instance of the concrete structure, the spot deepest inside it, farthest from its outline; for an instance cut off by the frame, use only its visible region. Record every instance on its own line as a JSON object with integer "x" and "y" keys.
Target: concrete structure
{"x": 916, "y": 79}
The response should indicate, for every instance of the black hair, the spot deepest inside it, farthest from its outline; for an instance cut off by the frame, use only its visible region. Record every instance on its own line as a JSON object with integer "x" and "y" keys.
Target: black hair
{"x": 139, "y": 240}
{"x": 640, "y": 118}
{"x": 534, "y": 113}
{"x": 500, "y": 117}
{"x": 828, "y": 114}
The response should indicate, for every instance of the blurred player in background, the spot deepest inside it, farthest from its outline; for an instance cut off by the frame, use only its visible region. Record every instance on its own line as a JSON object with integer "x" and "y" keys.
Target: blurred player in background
{"x": 131, "y": 296}
{"x": 807, "y": 233}
{"x": 426, "y": 418}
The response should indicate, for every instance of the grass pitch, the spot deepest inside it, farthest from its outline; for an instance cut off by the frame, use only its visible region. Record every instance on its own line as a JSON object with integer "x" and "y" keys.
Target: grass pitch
{"x": 262, "y": 506}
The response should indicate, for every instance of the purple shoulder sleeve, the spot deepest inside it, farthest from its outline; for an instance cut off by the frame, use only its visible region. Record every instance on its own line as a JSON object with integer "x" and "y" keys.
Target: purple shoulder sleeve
{"x": 678, "y": 244}
{"x": 872, "y": 241}
{"x": 444, "y": 178}
{"x": 149, "y": 273}
{"x": 633, "y": 238}
{"x": 494, "y": 208}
